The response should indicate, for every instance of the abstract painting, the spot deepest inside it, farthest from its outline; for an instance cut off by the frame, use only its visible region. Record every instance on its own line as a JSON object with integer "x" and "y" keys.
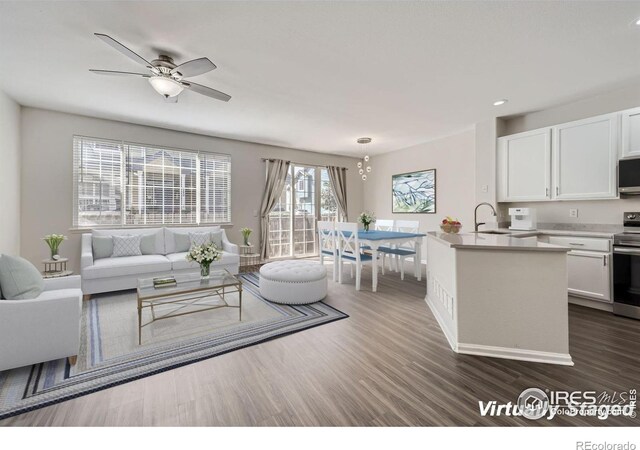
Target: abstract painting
{"x": 414, "y": 192}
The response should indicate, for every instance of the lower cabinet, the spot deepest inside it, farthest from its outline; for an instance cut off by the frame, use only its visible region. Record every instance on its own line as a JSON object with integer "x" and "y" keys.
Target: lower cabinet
{"x": 590, "y": 274}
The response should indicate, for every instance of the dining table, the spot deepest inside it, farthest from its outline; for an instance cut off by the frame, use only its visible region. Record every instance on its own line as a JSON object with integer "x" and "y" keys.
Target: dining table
{"x": 374, "y": 239}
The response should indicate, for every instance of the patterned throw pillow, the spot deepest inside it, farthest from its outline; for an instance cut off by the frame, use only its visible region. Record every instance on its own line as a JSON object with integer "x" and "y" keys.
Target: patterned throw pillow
{"x": 198, "y": 239}
{"x": 126, "y": 245}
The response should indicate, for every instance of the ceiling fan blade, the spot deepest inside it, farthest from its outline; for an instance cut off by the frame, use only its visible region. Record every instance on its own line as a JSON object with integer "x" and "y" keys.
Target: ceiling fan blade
{"x": 122, "y": 49}
{"x": 117, "y": 73}
{"x": 194, "y": 67}
{"x": 200, "y": 89}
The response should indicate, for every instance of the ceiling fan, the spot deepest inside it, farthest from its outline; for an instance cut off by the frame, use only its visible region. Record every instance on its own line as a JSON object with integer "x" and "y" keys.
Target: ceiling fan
{"x": 166, "y": 77}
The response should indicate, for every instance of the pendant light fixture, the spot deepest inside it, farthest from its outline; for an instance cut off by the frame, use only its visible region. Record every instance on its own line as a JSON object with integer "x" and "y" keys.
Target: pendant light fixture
{"x": 363, "y": 166}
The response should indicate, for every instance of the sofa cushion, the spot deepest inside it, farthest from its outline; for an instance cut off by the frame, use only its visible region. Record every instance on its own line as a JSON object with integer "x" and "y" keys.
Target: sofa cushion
{"x": 126, "y": 246}
{"x": 19, "y": 278}
{"x": 198, "y": 239}
{"x": 148, "y": 244}
{"x": 157, "y": 232}
{"x": 176, "y": 238}
{"x": 126, "y": 265}
{"x": 216, "y": 238}
{"x": 102, "y": 246}
{"x": 179, "y": 261}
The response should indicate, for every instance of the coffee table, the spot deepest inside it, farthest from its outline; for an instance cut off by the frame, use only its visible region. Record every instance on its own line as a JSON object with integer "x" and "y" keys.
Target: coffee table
{"x": 191, "y": 294}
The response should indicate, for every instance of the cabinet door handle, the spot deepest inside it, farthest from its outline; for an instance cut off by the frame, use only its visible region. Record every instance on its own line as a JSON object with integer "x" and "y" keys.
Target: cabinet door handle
{"x": 604, "y": 260}
{"x": 576, "y": 243}
{"x": 546, "y": 192}
{"x": 557, "y": 190}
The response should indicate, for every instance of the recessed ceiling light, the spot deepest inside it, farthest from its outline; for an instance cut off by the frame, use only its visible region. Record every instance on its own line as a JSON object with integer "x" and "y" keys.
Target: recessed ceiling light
{"x": 638, "y": 21}
{"x": 500, "y": 102}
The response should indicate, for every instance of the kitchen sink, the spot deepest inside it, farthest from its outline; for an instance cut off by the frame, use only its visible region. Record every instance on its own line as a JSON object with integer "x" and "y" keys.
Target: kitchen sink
{"x": 493, "y": 232}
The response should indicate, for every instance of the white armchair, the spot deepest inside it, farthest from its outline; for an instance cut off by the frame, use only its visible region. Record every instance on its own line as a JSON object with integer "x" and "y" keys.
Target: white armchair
{"x": 44, "y": 328}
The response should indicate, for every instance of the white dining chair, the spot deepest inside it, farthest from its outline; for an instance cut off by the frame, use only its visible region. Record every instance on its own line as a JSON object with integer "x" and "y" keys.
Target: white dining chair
{"x": 349, "y": 250}
{"x": 406, "y": 250}
{"x": 327, "y": 243}
{"x": 386, "y": 225}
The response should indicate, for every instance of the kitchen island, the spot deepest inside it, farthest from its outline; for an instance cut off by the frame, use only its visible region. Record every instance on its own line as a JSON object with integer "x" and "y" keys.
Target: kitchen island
{"x": 500, "y": 296}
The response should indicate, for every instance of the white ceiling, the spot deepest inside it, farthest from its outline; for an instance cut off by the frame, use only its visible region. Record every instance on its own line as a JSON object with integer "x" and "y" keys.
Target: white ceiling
{"x": 318, "y": 75}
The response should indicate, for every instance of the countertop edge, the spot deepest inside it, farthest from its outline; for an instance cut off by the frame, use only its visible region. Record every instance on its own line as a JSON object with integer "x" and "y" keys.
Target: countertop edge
{"x": 539, "y": 247}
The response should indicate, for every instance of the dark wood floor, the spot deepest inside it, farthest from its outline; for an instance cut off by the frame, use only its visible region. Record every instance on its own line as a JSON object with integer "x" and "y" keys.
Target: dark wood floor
{"x": 388, "y": 364}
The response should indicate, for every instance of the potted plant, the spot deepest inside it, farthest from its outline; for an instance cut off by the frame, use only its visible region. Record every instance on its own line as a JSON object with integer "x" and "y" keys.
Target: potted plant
{"x": 366, "y": 219}
{"x": 204, "y": 255}
{"x": 246, "y": 232}
{"x": 54, "y": 241}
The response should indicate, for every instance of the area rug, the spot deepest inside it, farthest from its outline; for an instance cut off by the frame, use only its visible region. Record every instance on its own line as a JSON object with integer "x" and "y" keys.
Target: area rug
{"x": 109, "y": 353}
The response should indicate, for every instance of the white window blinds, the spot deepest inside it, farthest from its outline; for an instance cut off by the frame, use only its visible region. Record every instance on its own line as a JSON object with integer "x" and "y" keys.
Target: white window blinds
{"x": 148, "y": 185}
{"x": 97, "y": 176}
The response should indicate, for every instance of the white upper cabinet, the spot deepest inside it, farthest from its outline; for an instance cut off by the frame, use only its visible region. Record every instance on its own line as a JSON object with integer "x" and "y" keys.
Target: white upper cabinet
{"x": 631, "y": 132}
{"x": 524, "y": 166}
{"x": 585, "y": 156}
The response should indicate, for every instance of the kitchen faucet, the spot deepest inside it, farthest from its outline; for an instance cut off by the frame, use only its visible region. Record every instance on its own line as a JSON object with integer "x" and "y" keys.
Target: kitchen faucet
{"x": 475, "y": 214}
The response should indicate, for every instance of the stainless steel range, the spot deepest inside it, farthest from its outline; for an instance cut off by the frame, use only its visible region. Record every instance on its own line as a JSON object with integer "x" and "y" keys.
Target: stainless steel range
{"x": 626, "y": 268}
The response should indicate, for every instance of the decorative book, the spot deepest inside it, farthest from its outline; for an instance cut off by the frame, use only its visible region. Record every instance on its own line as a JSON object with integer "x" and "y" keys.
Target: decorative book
{"x": 164, "y": 282}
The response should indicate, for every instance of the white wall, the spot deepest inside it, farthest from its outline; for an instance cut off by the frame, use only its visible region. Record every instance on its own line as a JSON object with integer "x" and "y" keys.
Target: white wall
{"x": 589, "y": 212}
{"x": 47, "y": 189}
{"x": 454, "y": 160}
{"x": 9, "y": 175}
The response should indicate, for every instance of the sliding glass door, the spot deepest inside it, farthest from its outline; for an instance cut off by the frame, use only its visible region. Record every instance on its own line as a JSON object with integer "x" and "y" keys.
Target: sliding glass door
{"x": 306, "y": 196}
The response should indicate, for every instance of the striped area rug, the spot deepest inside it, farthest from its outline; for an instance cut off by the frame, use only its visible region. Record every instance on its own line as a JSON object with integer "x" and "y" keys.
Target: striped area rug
{"x": 109, "y": 353}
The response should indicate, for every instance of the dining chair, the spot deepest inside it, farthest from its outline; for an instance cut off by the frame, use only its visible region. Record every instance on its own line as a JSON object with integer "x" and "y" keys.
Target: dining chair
{"x": 327, "y": 243}
{"x": 386, "y": 225}
{"x": 349, "y": 250}
{"x": 406, "y": 250}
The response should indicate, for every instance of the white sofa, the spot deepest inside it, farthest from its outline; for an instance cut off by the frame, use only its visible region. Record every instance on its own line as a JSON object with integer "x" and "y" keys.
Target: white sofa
{"x": 119, "y": 273}
{"x": 44, "y": 328}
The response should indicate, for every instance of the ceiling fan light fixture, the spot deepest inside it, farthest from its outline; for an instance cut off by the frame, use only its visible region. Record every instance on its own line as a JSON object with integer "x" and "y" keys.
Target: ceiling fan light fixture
{"x": 166, "y": 86}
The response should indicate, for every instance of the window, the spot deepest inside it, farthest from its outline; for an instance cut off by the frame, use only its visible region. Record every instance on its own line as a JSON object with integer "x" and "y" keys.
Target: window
{"x": 292, "y": 223}
{"x": 120, "y": 183}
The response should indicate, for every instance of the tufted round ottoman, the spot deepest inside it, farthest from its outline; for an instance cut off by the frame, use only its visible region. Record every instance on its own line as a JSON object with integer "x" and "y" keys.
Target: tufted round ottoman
{"x": 293, "y": 282}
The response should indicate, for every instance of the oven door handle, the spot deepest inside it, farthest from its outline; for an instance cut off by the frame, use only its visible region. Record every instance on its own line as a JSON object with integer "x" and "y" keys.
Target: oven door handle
{"x": 626, "y": 251}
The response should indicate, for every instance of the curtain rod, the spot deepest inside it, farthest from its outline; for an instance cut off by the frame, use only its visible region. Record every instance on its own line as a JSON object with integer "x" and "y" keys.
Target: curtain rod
{"x": 302, "y": 164}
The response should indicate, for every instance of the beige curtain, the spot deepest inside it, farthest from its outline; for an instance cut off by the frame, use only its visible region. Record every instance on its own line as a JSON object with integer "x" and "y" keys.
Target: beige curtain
{"x": 277, "y": 171}
{"x": 338, "y": 179}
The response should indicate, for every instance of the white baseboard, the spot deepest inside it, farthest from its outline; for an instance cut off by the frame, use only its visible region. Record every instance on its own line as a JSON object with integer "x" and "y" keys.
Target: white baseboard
{"x": 595, "y": 304}
{"x": 563, "y": 359}
{"x": 448, "y": 333}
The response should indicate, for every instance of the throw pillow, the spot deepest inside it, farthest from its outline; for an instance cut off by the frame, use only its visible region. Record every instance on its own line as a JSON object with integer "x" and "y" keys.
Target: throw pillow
{"x": 126, "y": 245}
{"x": 148, "y": 244}
{"x": 19, "y": 278}
{"x": 102, "y": 246}
{"x": 183, "y": 242}
{"x": 198, "y": 239}
{"x": 216, "y": 238}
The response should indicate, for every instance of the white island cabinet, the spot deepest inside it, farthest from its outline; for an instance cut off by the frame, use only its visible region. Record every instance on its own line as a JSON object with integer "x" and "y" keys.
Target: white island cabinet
{"x": 500, "y": 296}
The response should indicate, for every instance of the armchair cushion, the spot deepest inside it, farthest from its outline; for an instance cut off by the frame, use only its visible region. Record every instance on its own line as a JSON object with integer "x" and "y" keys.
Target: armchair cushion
{"x": 19, "y": 278}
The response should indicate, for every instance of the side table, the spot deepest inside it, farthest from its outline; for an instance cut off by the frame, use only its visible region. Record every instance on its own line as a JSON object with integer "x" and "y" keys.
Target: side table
{"x": 56, "y": 268}
{"x": 249, "y": 260}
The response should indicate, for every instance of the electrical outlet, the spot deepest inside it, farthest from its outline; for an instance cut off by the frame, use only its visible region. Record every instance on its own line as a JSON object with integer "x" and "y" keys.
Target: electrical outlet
{"x": 485, "y": 188}
{"x": 573, "y": 212}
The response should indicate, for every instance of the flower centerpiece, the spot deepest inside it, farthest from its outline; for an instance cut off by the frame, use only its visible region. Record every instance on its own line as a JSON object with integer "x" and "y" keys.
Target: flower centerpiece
{"x": 246, "y": 232}
{"x": 450, "y": 225}
{"x": 366, "y": 219}
{"x": 204, "y": 255}
{"x": 54, "y": 241}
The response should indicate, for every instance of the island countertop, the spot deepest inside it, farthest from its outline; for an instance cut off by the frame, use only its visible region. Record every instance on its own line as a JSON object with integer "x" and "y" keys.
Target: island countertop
{"x": 494, "y": 242}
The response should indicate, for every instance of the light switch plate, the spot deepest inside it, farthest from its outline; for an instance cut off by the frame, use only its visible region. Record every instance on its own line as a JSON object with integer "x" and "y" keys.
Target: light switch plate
{"x": 573, "y": 212}
{"x": 485, "y": 188}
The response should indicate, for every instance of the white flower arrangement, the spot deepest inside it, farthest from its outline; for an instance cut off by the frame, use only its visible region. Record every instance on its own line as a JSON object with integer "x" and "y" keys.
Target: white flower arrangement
{"x": 54, "y": 241}
{"x": 366, "y": 218}
{"x": 204, "y": 254}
